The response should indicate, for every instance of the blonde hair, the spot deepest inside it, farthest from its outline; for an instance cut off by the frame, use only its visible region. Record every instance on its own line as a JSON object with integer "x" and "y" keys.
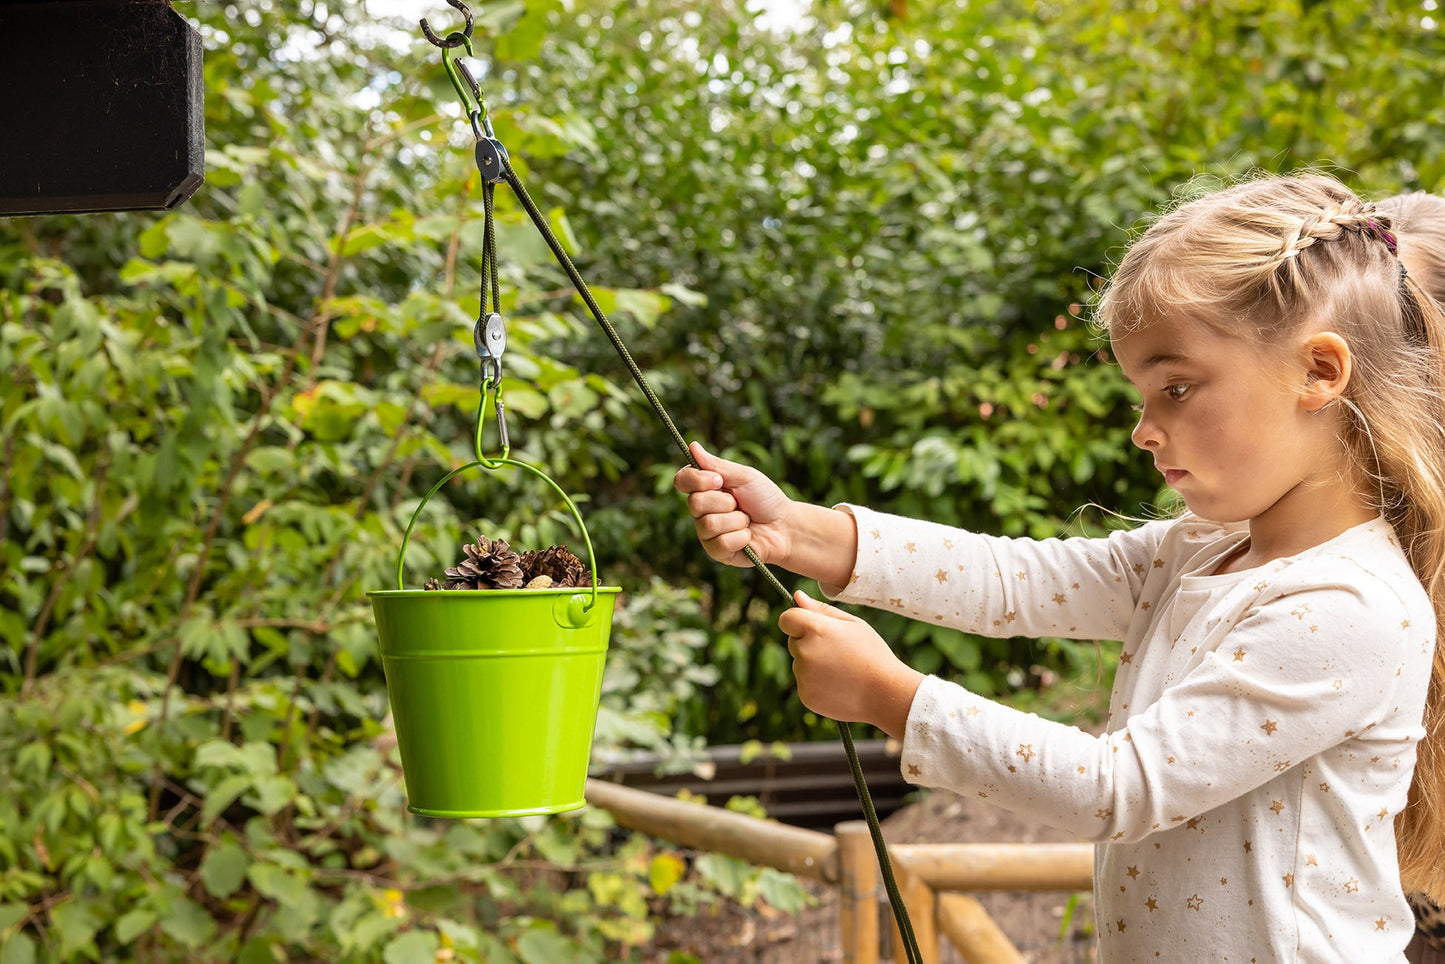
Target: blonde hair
{"x": 1419, "y": 222}
{"x": 1261, "y": 260}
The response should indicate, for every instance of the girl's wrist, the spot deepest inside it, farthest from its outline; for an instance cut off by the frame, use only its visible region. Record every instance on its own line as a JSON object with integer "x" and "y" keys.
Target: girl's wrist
{"x": 895, "y": 700}
{"x": 822, "y": 543}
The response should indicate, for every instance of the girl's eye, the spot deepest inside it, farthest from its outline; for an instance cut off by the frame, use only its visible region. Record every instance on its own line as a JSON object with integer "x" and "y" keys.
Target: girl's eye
{"x": 1177, "y": 391}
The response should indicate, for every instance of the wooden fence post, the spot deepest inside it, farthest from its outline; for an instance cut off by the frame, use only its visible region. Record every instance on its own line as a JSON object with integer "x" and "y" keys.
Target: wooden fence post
{"x": 857, "y": 892}
{"x": 920, "y": 900}
{"x": 974, "y": 933}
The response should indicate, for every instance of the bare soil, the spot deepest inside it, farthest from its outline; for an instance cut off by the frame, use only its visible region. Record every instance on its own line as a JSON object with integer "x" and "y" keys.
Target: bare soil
{"x": 1047, "y": 928}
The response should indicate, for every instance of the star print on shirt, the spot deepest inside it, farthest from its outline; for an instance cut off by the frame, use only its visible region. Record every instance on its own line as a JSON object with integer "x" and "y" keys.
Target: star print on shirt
{"x": 1026, "y": 750}
{"x": 913, "y": 770}
{"x": 1239, "y": 655}
{"x": 1133, "y": 872}
{"x": 1194, "y": 902}
{"x": 1269, "y": 726}
{"x": 1152, "y": 904}
{"x": 1277, "y": 806}
{"x": 1289, "y": 880}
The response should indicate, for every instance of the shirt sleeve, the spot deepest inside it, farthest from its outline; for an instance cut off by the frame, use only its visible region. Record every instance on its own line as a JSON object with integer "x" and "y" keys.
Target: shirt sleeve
{"x": 995, "y": 586}
{"x": 1300, "y": 672}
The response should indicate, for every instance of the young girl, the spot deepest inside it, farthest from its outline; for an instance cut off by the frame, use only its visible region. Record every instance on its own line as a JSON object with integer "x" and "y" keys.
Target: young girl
{"x": 1279, "y": 646}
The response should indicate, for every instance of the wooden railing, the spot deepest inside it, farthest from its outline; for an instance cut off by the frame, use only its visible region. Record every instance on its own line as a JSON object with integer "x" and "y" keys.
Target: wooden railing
{"x": 933, "y": 879}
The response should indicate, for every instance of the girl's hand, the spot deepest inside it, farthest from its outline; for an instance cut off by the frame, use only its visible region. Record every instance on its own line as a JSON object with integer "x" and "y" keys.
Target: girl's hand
{"x": 845, "y": 670}
{"x": 734, "y": 506}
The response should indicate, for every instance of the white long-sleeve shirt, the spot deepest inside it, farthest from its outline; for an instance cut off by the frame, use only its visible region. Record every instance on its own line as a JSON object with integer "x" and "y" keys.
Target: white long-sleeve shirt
{"x": 1261, "y": 734}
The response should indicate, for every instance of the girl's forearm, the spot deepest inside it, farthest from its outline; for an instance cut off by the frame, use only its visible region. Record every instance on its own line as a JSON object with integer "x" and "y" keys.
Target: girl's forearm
{"x": 823, "y": 544}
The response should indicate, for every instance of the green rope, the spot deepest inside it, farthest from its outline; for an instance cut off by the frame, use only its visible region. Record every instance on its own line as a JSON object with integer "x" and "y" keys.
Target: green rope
{"x": 900, "y": 911}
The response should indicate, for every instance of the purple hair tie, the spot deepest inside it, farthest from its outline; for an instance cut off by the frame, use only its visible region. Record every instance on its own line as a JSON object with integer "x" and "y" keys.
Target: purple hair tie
{"x": 1385, "y": 236}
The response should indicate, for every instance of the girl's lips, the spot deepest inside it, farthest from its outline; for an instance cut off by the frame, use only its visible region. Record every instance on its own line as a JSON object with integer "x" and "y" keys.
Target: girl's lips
{"x": 1171, "y": 476}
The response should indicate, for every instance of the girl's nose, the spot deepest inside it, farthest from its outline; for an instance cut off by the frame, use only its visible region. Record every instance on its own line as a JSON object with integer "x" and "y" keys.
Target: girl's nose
{"x": 1146, "y": 434}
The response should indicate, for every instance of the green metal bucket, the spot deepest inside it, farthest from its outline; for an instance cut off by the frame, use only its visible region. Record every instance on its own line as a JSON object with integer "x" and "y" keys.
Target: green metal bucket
{"x": 494, "y": 693}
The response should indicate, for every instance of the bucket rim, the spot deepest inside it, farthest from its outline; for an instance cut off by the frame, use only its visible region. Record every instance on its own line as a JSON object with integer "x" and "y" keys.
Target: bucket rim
{"x": 461, "y": 594}
{"x": 493, "y": 813}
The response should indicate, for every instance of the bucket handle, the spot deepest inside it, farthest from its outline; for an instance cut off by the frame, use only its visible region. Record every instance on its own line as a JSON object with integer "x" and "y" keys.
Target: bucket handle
{"x": 496, "y": 464}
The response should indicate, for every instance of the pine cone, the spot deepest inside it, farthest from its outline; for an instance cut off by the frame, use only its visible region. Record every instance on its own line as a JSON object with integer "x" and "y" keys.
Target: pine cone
{"x": 489, "y": 564}
{"x": 432, "y": 584}
{"x": 565, "y": 569}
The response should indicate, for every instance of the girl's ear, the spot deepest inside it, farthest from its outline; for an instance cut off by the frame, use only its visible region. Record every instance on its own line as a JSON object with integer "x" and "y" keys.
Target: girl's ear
{"x": 1328, "y": 365}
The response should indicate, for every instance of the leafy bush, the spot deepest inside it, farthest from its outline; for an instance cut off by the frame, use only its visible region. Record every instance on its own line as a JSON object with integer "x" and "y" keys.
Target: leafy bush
{"x": 896, "y": 216}
{"x": 857, "y": 257}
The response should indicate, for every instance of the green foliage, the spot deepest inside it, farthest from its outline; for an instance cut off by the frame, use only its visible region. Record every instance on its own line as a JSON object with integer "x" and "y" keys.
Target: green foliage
{"x": 858, "y": 257}
{"x": 216, "y": 424}
{"x": 897, "y": 222}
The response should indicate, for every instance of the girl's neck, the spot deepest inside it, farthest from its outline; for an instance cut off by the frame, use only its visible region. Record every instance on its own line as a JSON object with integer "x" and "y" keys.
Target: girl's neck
{"x": 1307, "y": 516}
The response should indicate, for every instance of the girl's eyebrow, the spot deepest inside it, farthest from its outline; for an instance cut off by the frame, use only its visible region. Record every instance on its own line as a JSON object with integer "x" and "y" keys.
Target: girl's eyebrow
{"x": 1154, "y": 361}
{"x": 1163, "y": 358}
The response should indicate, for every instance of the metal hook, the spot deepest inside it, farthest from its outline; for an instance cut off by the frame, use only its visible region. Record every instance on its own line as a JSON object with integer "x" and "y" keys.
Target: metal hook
{"x": 455, "y": 38}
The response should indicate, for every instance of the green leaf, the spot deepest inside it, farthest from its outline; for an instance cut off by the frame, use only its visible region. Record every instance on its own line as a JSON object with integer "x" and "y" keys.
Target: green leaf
{"x": 728, "y": 874}
{"x": 687, "y": 296}
{"x": 222, "y": 795}
{"x": 369, "y": 930}
{"x": 223, "y": 869}
{"x": 645, "y": 306}
{"x": 783, "y": 891}
{"x": 17, "y": 949}
{"x": 543, "y": 945}
{"x": 411, "y": 948}
{"x": 366, "y": 237}
{"x": 153, "y": 241}
{"x": 277, "y": 883}
{"x": 188, "y": 923}
{"x": 557, "y": 218}
{"x": 76, "y": 922}
{"x": 256, "y": 951}
{"x": 12, "y": 913}
{"x": 133, "y": 924}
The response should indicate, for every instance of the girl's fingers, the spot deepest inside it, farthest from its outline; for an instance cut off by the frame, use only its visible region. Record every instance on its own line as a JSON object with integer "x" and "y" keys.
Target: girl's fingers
{"x": 734, "y": 473}
{"x": 709, "y": 503}
{"x": 797, "y": 622}
{"x": 690, "y": 479}
{"x": 733, "y": 542}
{"x": 716, "y": 524}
